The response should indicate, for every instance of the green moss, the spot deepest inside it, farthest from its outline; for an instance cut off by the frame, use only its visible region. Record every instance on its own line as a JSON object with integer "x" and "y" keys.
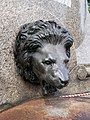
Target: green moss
{"x": 89, "y": 9}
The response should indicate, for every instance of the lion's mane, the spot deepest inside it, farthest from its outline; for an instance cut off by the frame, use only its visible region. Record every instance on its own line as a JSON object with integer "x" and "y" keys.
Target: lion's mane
{"x": 34, "y": 35}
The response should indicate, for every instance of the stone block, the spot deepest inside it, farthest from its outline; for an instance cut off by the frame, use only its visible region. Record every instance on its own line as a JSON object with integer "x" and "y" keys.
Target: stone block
{"x": 15, "y": 13}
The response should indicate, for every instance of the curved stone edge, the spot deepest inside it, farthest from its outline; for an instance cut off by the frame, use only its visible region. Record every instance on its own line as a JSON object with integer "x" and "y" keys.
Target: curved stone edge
{"x": 50, "y": 108}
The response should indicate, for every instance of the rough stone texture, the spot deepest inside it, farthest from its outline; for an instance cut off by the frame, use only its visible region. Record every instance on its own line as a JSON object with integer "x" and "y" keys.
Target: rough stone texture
{"x": 50, "y": 109}
{"x": 73, "y": 22}
{"x": 15, "y": 13}
{"x": 83, "y": 51}
{"x": 82, "y": 72}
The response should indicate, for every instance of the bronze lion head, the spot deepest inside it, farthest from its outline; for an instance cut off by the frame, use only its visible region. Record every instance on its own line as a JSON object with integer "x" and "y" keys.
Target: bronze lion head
{"x": 42, "y": 52}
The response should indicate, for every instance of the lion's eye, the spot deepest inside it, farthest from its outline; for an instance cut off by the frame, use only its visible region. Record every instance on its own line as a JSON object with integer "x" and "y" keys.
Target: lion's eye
{"x": 49, "y": 62}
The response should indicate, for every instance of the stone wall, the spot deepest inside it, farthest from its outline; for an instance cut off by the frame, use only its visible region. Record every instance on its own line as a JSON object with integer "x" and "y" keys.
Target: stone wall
{"x": 13, "y": 14}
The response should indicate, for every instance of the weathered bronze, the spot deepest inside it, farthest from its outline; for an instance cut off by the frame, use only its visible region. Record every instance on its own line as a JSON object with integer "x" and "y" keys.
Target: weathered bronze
{"x": 42, "y": 52}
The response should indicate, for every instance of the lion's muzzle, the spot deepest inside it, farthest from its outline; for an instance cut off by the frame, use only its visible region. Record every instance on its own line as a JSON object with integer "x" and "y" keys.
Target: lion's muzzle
{"x": 56, "y": 77}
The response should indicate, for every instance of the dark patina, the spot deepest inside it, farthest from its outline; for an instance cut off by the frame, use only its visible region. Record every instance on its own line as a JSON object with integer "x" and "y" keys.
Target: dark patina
{"x": 42, "y": 52}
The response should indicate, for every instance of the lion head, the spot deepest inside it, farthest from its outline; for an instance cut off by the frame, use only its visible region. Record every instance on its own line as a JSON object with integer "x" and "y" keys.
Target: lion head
{"x": 42, "y": 52}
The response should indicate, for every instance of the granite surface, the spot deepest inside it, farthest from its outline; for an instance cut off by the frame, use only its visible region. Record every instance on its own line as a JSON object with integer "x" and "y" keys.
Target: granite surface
{"x": 13, "y": 14}
{"x": 83, "y": 51}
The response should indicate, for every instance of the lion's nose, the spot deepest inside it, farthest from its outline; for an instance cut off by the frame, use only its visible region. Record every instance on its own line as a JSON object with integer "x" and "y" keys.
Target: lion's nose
{"x": 64, "y": 83}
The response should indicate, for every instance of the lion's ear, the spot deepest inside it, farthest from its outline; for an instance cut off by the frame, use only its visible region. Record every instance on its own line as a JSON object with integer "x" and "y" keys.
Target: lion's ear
{"x": 67, "y": 46}
{"x": 68, "y": 43}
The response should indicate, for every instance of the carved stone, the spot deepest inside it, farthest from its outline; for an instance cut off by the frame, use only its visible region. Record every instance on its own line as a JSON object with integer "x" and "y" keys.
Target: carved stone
{"x": 81, "y": 72}
{"x": 16, "y": 13}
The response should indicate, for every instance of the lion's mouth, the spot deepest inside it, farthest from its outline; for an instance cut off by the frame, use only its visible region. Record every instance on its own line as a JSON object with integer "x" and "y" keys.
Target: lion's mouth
{"x": 49, "y": 89}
